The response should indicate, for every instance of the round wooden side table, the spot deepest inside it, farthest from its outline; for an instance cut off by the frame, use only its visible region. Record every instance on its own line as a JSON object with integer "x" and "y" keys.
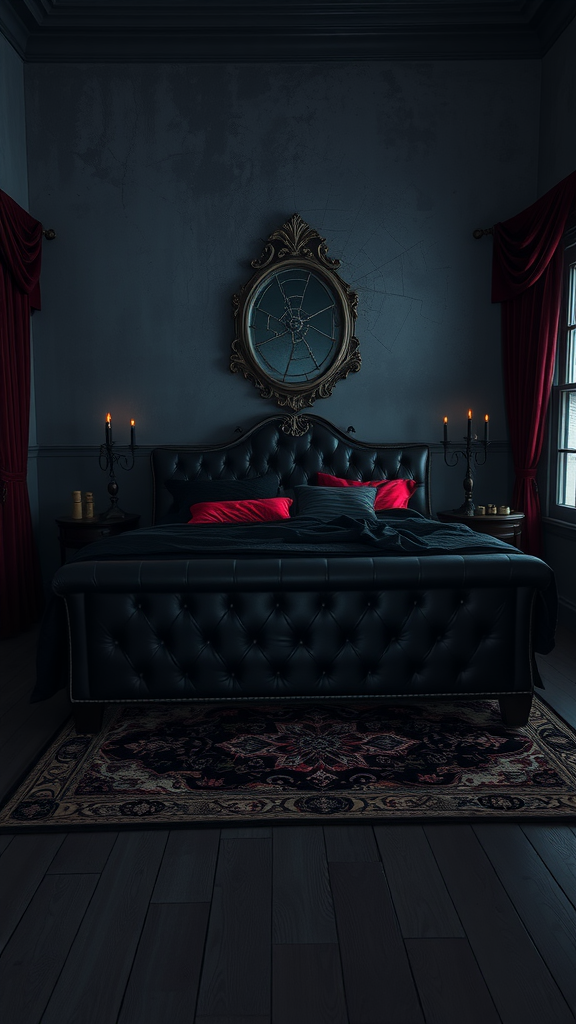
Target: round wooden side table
{"x": 508, "y": 528}
{"x": 76, "y": 533}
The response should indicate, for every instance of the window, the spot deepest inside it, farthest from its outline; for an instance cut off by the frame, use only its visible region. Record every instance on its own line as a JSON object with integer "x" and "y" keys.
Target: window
{"x": 563, "y": 407}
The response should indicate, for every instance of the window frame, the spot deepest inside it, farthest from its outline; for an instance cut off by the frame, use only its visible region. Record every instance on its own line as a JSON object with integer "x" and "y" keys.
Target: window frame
{"x": 565, "y": 514}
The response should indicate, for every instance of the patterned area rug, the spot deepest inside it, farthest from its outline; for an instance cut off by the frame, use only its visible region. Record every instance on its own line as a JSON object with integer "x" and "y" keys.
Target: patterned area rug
{"x": 179, "y": 764}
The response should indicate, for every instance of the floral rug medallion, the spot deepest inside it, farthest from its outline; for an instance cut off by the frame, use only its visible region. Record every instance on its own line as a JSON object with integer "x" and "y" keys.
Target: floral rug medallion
{"x": 179, "y": 764}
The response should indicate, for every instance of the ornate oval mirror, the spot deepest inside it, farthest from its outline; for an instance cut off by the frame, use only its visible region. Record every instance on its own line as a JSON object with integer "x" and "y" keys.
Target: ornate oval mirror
{"x": 295, "y": 320}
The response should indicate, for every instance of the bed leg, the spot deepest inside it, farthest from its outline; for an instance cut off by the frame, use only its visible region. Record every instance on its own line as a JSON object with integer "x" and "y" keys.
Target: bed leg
{"x": 515, "y": 709}
{"x": 88, "y": 717}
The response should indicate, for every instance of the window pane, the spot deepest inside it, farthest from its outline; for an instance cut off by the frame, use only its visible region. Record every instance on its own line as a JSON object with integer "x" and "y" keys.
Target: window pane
{"x": 568, "y": 420}
{"x": 567, "y": 479}
{"x": 572, "y": 294}
{"x": 571, "y": 357}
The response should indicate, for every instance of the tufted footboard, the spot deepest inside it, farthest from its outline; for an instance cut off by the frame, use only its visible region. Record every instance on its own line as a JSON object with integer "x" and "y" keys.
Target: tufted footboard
{"x": 303, "y": 627}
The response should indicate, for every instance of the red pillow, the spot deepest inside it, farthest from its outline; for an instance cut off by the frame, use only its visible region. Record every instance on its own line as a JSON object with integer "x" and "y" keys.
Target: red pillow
{"x": 253, "y": 510}
{"x": 391, "y": 493}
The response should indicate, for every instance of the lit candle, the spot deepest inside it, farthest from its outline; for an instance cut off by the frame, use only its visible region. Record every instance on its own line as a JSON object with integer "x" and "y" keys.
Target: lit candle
{"x": 108, "y": 434}
{"x": 486, "y": 419}
{"x": 469, "y": 423}
{"x": 445, "y": 429}
{"x": 132, "y": 425}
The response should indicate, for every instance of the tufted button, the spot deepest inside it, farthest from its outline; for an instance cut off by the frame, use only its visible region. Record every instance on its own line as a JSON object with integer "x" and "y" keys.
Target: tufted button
{"x": 231, "y": 605}
{"x": 254, "y": 642}
{"x": 139, "y": 606}
{"x": 415, "y": 604}
{"x": 300, "y": 642}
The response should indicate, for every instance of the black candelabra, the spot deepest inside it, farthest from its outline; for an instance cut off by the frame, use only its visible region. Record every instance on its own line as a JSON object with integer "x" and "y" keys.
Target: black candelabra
{"x": 471, "y": 454}
{"x": 110, "y": 458}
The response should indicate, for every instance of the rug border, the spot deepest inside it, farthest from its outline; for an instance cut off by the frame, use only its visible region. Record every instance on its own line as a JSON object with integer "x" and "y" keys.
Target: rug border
{"x": 401, "y": 817}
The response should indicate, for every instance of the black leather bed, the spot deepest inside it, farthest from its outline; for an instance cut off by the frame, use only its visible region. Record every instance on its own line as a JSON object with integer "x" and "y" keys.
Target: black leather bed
{"x": 169, "y": 615}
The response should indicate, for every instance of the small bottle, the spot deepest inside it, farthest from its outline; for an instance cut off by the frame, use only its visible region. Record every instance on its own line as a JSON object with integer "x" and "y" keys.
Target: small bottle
{"x": 480, "y": 510}
{"x": 76, "y": 504}
{"x": 89, "y": 505}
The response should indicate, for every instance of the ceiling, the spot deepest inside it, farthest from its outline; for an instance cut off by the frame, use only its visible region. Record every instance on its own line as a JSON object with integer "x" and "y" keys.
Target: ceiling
{"x": 283, "y": 30}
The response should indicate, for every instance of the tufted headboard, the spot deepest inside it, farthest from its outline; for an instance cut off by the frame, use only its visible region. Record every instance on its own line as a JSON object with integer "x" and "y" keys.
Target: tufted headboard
{"x": 266, "y": 448}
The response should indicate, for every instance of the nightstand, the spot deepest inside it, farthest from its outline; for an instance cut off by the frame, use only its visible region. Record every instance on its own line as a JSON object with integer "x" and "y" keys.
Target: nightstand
{"x": 508, "y": 528}
{"x": 76, "y": 533}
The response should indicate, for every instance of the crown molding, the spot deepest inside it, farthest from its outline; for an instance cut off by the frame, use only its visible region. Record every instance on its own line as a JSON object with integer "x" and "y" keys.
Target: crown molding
{"x": 292, "y": 30}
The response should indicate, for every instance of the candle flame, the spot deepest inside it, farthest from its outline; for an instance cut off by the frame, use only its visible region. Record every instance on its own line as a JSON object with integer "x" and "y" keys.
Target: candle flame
{"x": 486, "y": 418}
{"x": 132, "y": 422}
{"x": 108, "y": 418}
{"x": 445, "y": 419}
{"x": 469, "y": 414}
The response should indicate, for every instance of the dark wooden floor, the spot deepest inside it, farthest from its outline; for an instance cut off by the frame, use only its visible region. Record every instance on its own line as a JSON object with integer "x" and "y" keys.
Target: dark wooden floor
{"x": 398, "y": 924}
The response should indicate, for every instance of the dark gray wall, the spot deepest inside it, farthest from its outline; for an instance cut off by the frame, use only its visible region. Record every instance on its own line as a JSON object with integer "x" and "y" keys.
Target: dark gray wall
{"x": 557, "y": 135}
{"x": 162, "y": 181}
{"x": 13, "y": 163}
{"x": 557, "y": 160}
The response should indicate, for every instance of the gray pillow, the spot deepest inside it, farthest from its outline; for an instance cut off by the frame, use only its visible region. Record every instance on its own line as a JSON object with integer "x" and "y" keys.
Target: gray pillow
{"x": 331, "y": 502}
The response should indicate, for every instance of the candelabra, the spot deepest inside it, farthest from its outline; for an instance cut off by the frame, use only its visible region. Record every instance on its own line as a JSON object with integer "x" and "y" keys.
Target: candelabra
{"x": 108, "y": 459}
{"x": 470, "y": 453}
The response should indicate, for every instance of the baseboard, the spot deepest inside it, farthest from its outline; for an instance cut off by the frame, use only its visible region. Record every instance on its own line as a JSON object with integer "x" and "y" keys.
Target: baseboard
{"x": 567, "y": 614}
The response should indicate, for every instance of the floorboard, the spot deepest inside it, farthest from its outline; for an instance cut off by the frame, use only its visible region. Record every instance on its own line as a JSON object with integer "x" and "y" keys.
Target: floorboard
{"x": 556, "y": 844}
{"x": 308, "y": 984}
{"x": 421, "y": 900}
{"x": 343, "y": 924}
{"x": 519, "y": 981}
{"x": 236, "y": 976}
{"x": 5, "y": 841}
{"x": 540, "y": 902}
{"x": 84, "y": 852}
{"x": 188, "y": 867}
{"x": 24, "y": 865}
{"x": 303, "y": 911}
{"x": 350, "y": 845}
{"x": 163, "y": 984}
{"x": 377, "y": 978}
{"x": 450, "y": 984}
{"x": 36, "y": 953}
{"x": 92, "y": 983}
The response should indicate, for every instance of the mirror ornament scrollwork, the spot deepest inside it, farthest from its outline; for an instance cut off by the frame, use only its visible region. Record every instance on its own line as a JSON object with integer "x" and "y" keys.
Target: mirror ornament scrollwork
{"x": 295, "y": 321}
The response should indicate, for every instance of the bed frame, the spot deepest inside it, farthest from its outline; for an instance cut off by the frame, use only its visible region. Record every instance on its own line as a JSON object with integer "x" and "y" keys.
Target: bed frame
{"x": 300, "y": 627}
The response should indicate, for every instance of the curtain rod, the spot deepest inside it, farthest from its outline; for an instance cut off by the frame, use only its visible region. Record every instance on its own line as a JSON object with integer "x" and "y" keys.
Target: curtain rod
{"x": 49, "y": 234}
{"x": 479, "y": 232}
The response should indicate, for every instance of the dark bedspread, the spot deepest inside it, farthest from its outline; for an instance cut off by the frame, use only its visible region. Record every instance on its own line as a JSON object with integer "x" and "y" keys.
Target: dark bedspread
{"x": 398, "y": 532}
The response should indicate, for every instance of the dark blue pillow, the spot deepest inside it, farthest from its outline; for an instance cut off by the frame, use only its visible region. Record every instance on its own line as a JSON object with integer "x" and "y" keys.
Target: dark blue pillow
{"x": 188, "y": 492}
{"x": 332, "y": 502}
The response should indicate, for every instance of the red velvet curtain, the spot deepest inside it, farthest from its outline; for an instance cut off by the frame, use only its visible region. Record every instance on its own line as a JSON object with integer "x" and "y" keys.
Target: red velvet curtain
{"x": 527, "y": 276}
{"x": 20, "y": 257}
